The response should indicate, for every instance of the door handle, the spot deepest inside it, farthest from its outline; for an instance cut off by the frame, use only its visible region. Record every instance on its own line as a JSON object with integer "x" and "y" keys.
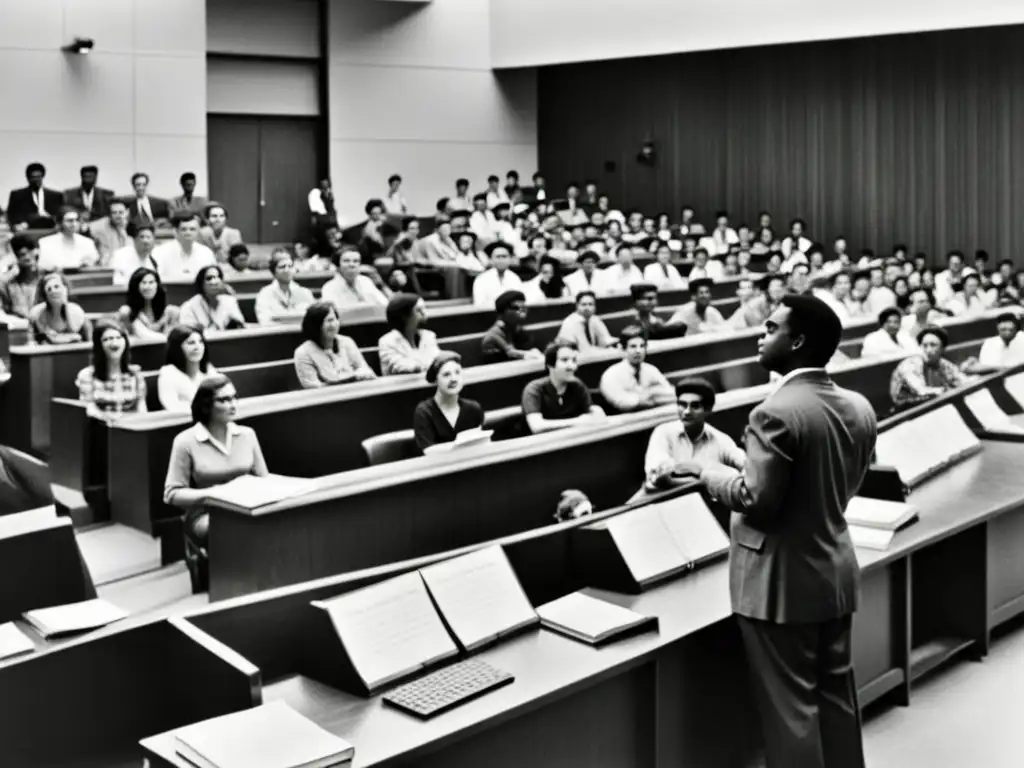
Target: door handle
{"x": 274, "y": 223}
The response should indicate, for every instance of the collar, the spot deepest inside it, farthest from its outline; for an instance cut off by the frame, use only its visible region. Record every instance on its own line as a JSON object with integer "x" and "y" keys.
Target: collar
{"x": 797, "y": 372}
{"x": 203, "y": 434}
{"x": 704, "y": 434}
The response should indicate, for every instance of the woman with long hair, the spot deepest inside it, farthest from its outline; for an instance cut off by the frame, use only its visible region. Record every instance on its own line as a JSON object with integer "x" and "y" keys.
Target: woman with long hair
{"x": 408, "y": 347}
{"x": 55, "y": 319}
{"x": 186, "y": 365}
{"x": 327, "y": 357}
{"x": 212, "y": 308}
{"x": 111, "y": 385}
{"x": 146, "y": 313}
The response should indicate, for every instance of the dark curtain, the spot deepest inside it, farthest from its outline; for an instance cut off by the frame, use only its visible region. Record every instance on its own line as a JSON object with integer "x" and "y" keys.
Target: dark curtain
{"x": 914, "y": 138}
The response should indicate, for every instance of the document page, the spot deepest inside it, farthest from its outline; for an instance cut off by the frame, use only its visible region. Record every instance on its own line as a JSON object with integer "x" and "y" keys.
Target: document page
{"x": 390, "y": 629}
{"x": 694, "y": 529}
{"x": 904, "y": 447}
{"x": 878, "y": 513}
{"x": 251, "y": 492}
{"x": 588, "y": 617}
{"x": 13, "y": 641}
{"x": 871, "y": 538}
{"x": 949, "y": 434}
{"x": 32, "y": 520}
{"x": 646, "y": 545}
{"x": 479, "y": 596}
{"x": 74, "y": 617}
{"x": 987, "y": 411}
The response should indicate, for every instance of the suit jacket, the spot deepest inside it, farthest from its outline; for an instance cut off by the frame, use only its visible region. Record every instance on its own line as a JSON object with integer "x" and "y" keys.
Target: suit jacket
{"x": 21, "y": 206}
{"x": 808, "y": 447}
{"x": 100, "y": 201}
{"x": 160, "y": 208}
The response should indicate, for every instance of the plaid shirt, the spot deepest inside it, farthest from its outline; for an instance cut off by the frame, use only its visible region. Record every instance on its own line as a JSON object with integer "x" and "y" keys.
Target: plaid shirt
{"x": 121, "y": 393}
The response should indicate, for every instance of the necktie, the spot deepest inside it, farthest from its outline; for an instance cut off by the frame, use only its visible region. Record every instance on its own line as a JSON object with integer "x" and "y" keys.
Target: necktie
{"x": 664, "y": 268}
{"x": 636, "y": 372}
{"x": 40, "y": 207}
{"x": 586, "y": 330}
{"x": 87, "y": 199}
{"x": 144, "y": 207}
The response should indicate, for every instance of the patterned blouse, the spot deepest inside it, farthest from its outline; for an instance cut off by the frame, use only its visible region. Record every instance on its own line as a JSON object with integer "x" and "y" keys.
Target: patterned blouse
{"x": 912, "y": 376}
{"x": 121, "y": 393}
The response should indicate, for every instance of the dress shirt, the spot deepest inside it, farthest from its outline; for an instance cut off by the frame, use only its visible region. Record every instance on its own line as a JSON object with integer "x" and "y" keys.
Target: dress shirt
{"x": 576, "y": 282}
{"x": 998, "y": 354}
{"x": 126, "y": 261}
{"x": 145, "y": 208}
{"x": 616, "y": 280}
{"x": 912, "y": 327}
{"x": 316, "y": 202}
{"x": 534, "y": 292}
{"x": 194, "y": 204}
{"x": 788, "y": 246}
{"x": 317, "y": 367}
{"x": 18, "y": 295}
{"x": 175, "y": 266}
{"x": 430, "y": 426}
{"x": 200, "y": 461}
{"x": 589, "y": 333}
{"x": 120, "y": 393}
{"x": 961, "y": 306}
{"x": 881, "y": 342}
{"x": 176, "y": 390}
{"x": 362, "y": 292}
{"x": 273, "y": 301}
{"x": 493, "y": 198}
{"x": 879, "y": 298}
{"x": 665, "y": 276}
{"x": 540, "y": 396}
{"x": 669, "y": 444}
{"x": 395, "y": 204}
{"x": 222, "y": 316}
{"x": 500, "y": 344}
{"x": 221, "y": 243}
{"x": 944, "y": 282}
{"x": 718, "y": 242}
{"x": 912, "y": 376}
{"x": 87, "y": 197}
{"x": 624, "y": 386}
{"x": 712, "y": 270}
{"x": 489, "y": 285}
{"x": 481, "y": 223}
{"x": 460, "y": 204}
{"x": 398, "y": 356}
{"x": 711, "y": 322}
{"x": 60, "y": 252}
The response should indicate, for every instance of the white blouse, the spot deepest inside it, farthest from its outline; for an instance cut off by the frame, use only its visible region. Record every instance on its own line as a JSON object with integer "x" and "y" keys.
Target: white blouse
{"x": 175, "y": 389}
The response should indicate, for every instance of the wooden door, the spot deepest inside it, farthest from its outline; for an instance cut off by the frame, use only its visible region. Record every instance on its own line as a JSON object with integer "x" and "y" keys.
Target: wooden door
{"x": 233, "y": 146}
{"x": 288, "y": 170}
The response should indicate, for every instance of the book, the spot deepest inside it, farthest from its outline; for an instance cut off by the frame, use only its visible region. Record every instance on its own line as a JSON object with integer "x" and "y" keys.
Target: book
{"x": 389, "y": 630}
{"x": 479, "y": 596}
{"x": 871, "y": 538}
{"x": 988, "y": 413}
{"x": 590, "y": 619}
{"x": 268, "y": 736}
{"x": 465, "y": 439}
{"x": 646, "y": 544}
{"x": 74, "y": 617}
{"x": 693, "y": 528}
{"x": 252, "y": 492}
{"x": 13, "y": 641}
{"x": 876, "y": 513}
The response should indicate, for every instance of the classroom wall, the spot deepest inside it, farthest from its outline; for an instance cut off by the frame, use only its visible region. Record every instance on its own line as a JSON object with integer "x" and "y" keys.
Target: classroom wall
{"x": 137, "y": 102}
{"x": 529, "y": 33}
{"x": 412, "y": 92}
{"x": 916, "y": 139}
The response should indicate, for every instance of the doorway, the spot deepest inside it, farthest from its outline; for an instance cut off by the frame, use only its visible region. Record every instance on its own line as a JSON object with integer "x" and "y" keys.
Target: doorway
{"x": 261, "y": 169}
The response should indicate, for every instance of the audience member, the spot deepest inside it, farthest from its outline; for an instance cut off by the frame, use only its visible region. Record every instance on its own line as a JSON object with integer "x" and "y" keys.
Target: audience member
{"x": 461, "y": 201}
{"x": 111, "y": 385}
{"x": 507, "y": 339}
{"x": 186, "y": 364}
{"x": 497, "y": 280}
{"x": 799, "y": 282}
{"x": 34, "y": 206}
{"x": 633, "y": 384}
{"x": 111, "y": 232}
{"x": 326, "y": 357}
{"x": 662, "y": 273}
{"x": 91, "y": 202}
{"x": 620, "y": 277}
{"x": 19, "y": 288}
{"x": 585, "y": 327}
{"x": 217, "y": 235}
{"x": 349, "y": 288}
{"x": 796, "y": 245}
{"x": 880, "y": 295}
{"x": 237, "y": 263}
{"x": 890, "y": 337}
{"x": 187, "y": 201}
{"x": 408, "y": 347}
{"x": 697, "y": 315}
{"x": 142, "y": 207}
{"x": 213, "y": 451}
{"x": 857, "y": 304}
{"x": 922, "y": 313}
{"x": 212, "y": 308}
{"x": 946, "y": 280}
{"x": 703, "y": 268}
{"x": 926, "y": 374}
{"x": 440, "y": 418}
{"x": 837, "y": 296}
{"x": 547, "y": 285}
{"x": 587, "y": 278}
{"x": 495, "y": 194}
{"x": 559, "y": 400}
{"x": 181, "y": 259}
{"x": 1004, "y": 350}
{"x": 321, "y": 201}
{"x": 481, "y": 220}
{"x": 67, "y": 249}
{"x": 754, "y": 310}
{"x": 136, "y": 255}
{"x": 969, "y": 301}
{"x": 394, "y": 202}
{"x": 146, "y": 313}
{"x": 645, "y": 301}
{"x": 283, "y": 297}
{"x": 54, "y": 319}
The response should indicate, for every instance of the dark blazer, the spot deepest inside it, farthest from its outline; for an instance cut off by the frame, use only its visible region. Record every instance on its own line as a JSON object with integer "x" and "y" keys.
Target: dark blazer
{"x": 21, "y": 206}
{"x": 808, "y": 447}
{"x": 161, "y": 208}
{"x": 101, "y": 199}
{"x": 431, "y": 427}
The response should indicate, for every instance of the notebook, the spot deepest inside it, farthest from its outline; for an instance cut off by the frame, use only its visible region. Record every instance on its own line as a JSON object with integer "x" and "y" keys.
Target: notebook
{"x": 269, "y": 736}
{"x": 465, "y": 439}
{"x": 13, "y": 641}
{"x": 74, "y": 617}
{"x": 646, "y": 545}
{"x": 876, "y": 513}
{"x": 252, "y": 492}
{"x": 590, "y": 619}
{"x": 693, "y": 528}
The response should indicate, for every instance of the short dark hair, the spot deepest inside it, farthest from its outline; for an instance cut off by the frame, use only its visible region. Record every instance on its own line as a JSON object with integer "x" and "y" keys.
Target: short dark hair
{"x": 813, "y": 319}
{"x": 276, "y": 257}
{"x": 1007, "y": 317}
{"x": 447, "y": 356}
{"x": 929, "y": 294}
{"x": 183, "y": 217}
{"x": 935, "y": 331}
{"x": 140, "y": 175}
{"x": 507, "y": 299}
{"x": 551, "y": 350}
{"x": 700, "y": 282}
{"x": 888, "y": 312}
{"x": 33, "y": 167}
{"x": 462, "y": 182}
{"x": 210, "y": 208}
{"x": 695, "y": 385}
{"x": 498, "y": 245}
{"x": 313, "y": 320}
{"x": 186, "y": 176}
{"x": 202, "y": 402}
{"x": 117, "y": 201}
{"x": 393, "y": 178}
{"x": 513, "y": 174}
{"x": 841, "y": 273}
{"x": 99, "y": 355}
{"x": 631, "y": 332}
{"x": 175, "y": 355}
{"x": 399, "y": 309}
{"x": 200, "y": 278}
{"x": 136, "y": 226}
{"x": 639, "y": 290}
{"x": 88, "y": 169}
{"x": 951, "y": 254}
{"x": 373, "y": 202}
{"x": 584, "y": 294}
{"x": 235, "y": 251}
{"x": 22, "y": 242}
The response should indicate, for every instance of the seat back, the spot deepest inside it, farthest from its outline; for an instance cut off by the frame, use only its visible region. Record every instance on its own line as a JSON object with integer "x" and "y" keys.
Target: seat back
{"x": 389, "y": 447}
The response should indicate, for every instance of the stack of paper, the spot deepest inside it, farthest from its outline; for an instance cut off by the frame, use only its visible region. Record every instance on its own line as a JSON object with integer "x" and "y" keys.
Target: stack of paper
{"x": 589, "y": 619}
{"x": 13, "y": 642}
{"x": 269, "y": 736}
{"x": 873, "y": 522}
{"x": 252, "y": 492}
{"x": 74, "y": 617}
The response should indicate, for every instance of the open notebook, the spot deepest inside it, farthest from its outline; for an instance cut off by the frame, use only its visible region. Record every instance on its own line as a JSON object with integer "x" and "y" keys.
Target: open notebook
{"x": 924, "y": 445}
{"x": 590, "y": 619}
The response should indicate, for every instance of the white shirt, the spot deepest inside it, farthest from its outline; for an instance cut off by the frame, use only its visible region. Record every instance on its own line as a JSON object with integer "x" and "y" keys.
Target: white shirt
{"x": 535, "y": 294}
{"x": 482, "y": 225}
{"x": 961, "y": 306}
{"x": 493, "y": 198}
{"x": 394, "y": 204}
{"x": 125, "y": 261}
{"x": 576, "y": 282}
{"x": 272, "y": 301}
{"x": 59, "y": 252}
{"x": 616, "y": 280}
{"x": 995, "y": 352}
{"x": 176, "y": 390}
{"x": 316, "y": 202}
{"x": 717, "y": 243}
{"x": 623, "y": 387}
{"x": 803, "y": 245}
{"x": 712, "y": 270}
{"x": 175, "y": 266}
{"x": 880, "y": 342}
{"x": 656, "y": 273}
{"x": 488, "y": 286}
{"x": 834, "y": 304}
{"x": 362, "y": 292}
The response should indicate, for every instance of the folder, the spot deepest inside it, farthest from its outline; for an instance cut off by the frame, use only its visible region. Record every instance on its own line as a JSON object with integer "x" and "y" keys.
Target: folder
{"x": 253, "y": 492}
{"x": 988, "y": 413}
{"x": 74, "y": 617}
{"x": 269, "y": 736}
{"x": 878, "y": 514}
{"x": 13, "y": 641}
{"x": 479, "y": 597}
{"x": 590, "y": 619}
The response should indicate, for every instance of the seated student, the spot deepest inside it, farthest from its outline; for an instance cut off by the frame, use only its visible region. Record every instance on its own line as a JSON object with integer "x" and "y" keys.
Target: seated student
{"x": 587, "y": 277}
{"x": 507, "y": 339}
{"x": 926, "y": 374}
{"x": 349, "y": 288}
{"x": 440, "y": 418}
{"x": 922, "y": 312}
{"x": 213, "y": 451}
{"x": 704, "y": 268}
{"x": 969, "y": 301}
{"x": 585, "y": 327}
{"x": 546, "y": 285}
{"x": 180, "y": 259}
{"x": 697, "y": 315}
{"x": 890, "y": 336}
{"x": 306, "y": 260}
{"x": 67, "y": 249}
{"x": 633, "y": 384}
{"x": 620, "y": 277}
{"x": 759, "y": 307}
{"x": 677, "y": 446}
{"x": 186, "y": 364}
{"x": 1004, "y": 350}
{"x": 146, "y": 313}
{"x": 217, "y": 235}
{"x": 135, "y": 255}
{"x": 559, "y": 400}
{"x": 19, "y": 287}
{"x": 408, "y": 347}
{"x": 54, "y": 319}
{"x": 212, "y": 308}
{"x": 499, "y": 279}
{"x": 836, "y": 294}
{"x": 645, "y": 301}
{"x": 326, "y": 357}
{"x": 858, "y": 304}
{"x": 111, "y": 385}
{"x": 662, "y": 273}
{"x": 236, "y": 264}
{"x": 284, "y": 296}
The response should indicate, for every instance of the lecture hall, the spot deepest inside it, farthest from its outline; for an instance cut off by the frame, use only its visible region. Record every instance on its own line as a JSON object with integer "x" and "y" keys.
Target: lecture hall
{"x": 550, "y": 383}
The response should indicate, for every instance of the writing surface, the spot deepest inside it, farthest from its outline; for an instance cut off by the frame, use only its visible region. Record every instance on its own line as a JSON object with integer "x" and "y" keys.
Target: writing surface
{"x": 949, "y": 434}
{"x": 900, "y": 447}
{"x": 646, "y": 545}
{"x": 987, "y": 411}
{"x": 479, "y": 596}
{"x": 389, "y": 629}
{"x": 13, "y": 641}
{"x": 693, "y": 528}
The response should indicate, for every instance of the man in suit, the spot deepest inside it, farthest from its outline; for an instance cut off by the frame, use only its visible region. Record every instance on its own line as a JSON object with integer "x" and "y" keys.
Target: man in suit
{"x": 34, "y": 206}
{"x": 90, "y": 201}
{"x": 188, "y": 201}
{"x": 792, "y": 570}
{"x": 142, "y": 207}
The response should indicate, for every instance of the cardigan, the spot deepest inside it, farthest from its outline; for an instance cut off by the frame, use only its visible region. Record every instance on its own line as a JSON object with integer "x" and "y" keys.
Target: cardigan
{"x": 431, "y": 427}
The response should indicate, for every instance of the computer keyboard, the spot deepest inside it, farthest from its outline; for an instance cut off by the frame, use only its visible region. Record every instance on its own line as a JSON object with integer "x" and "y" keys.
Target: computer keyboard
{"x": 446, "y": 688}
